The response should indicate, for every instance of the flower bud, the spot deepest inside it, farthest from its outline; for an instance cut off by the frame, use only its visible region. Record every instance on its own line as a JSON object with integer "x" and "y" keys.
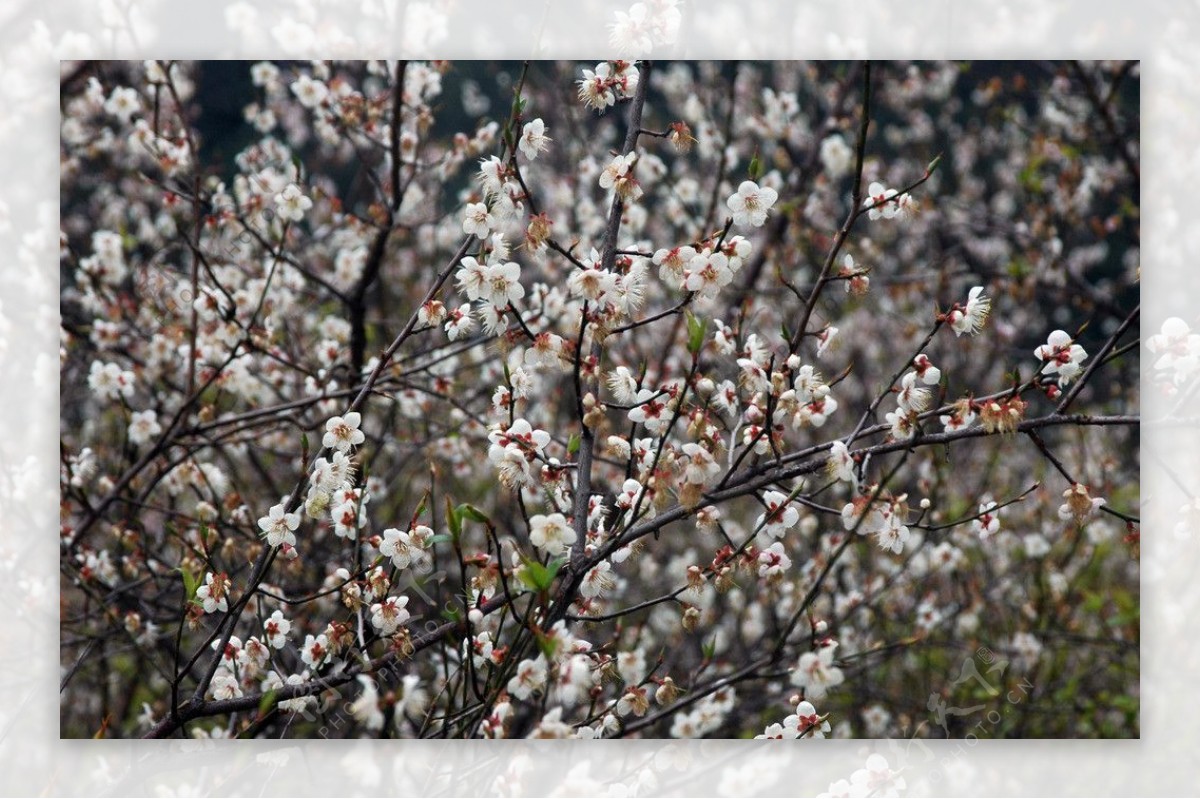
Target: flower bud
{"x": 681, "y": 137}
{"x": 666, "y": 692}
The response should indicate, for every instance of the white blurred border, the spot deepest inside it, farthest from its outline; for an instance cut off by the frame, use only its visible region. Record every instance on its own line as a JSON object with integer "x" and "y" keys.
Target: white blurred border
{"x": 34, "y": 36}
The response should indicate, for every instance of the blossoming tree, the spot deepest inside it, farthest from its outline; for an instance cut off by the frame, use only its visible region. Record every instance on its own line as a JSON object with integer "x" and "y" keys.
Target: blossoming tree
{"x": 620, "y": 399}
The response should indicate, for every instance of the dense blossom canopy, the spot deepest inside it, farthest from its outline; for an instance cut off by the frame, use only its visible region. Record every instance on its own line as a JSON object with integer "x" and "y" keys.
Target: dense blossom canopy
{"x": 785, "y": 400}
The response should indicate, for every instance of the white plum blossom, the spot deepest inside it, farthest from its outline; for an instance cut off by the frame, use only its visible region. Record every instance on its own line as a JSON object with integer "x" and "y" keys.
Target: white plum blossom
{"x": 804, "y": 723}
{"x": 522, "y": 437}
{"x": 841, "y": 463}
{"x": 342, "y": 432}
{"x": 299, "y": 704}
{"x": 365, "y": 708}
{"x": 311, "y": 93}
{"x": 407, "y": 547}
{"x": 750, "y": 204}
{"x": 618, "y": 176}
{"x": 477, "y": 220}
{"x": 459, "y": 322}
{"x": 432, "y": 313}
{"x": 108, "y": 381}
{"x": 930, "y": 375}
{"x": 496, "y": 283}
{"x": 1035, "y": 545}
{"x": 893, "y": 535}
{"x": 773, "y": 561}
{"x": 622, "y": 384}
{"x": 503, "y": 281}
{"x": 491, "y": 177}
{"x": 879, "y": 202}
{"x": 592, "y": 284}
{"x": 533, "y": 139}
{"x": 551, "y": 533}
{"x": 598, "y": 581}
{"x": 225, "y": 685}
{"x": 250, "y": 658}
{"x": 707, "y": 273}
{"x": 807, "y": 722}
{"x": 971, "y": 317}
{"x": 911, "y": 397}
{"x": 530, "y": 677}
{"x": 213, "y": 595}
{"x": 649, "y": 411}
{"x": 882, "y": 518}
{"x": 264, "y": 74}
{"x": 595, "y": 88}
{"x": 1080, "y": 505}
{"x": 1062, "y": 357}
{"x": 877, "y": 779}
{"x": 836, "y": 156}
{"x": 780, "y": 515}
{"x": 777, "y": 732}
{"x": 960, "y": 418}
{"x": 636, "y": 31}
{"x": 315, "y": 650}
{"x": 143, "y": 427}
{"x": 279, "y": 527}
{"x": 868, "y": 518}
{"x": 609, "y": 82}
{"x": 634, "y": 701}
{"x": 1177, "y": 349}
{"x": 276, "y": 629}
{"x": 816, "y": 673}
{"x": 332, "y": 473}
{"x": 292, "y": 203}
{"x": 123, "y": 103}
{"x": 701, "y": 466}
{"x": 1026, "y": 650}
{"x": 634, "y": 495}
{"x": 671, "y": 264}
{"x": 629, "y": 293}
{"x": 903, "y": 424}
{"x": 388, "y": 615}
{"x": 988, "y": 522}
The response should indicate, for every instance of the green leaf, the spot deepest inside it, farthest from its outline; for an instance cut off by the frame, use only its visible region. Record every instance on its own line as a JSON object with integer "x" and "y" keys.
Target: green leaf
{"x": 1018, "y": 269}
{"x": 573, "y": 444}
{"x": 548, "y": 645}
{"x": 540, "y": 577}
{"x": 755, "y": 168}
{"x": 422, "y": 505}
{"x": 469, "y": 511}
{"x": 534, "y": 575}
{"x": 933, "y": 165}
{"x": 695, "y": 333}
{"x": 190, "y": 583}
{"x": 1028, "y": 177}
{"x": 452, "y": 519}
{"x": 266, "y": 702}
